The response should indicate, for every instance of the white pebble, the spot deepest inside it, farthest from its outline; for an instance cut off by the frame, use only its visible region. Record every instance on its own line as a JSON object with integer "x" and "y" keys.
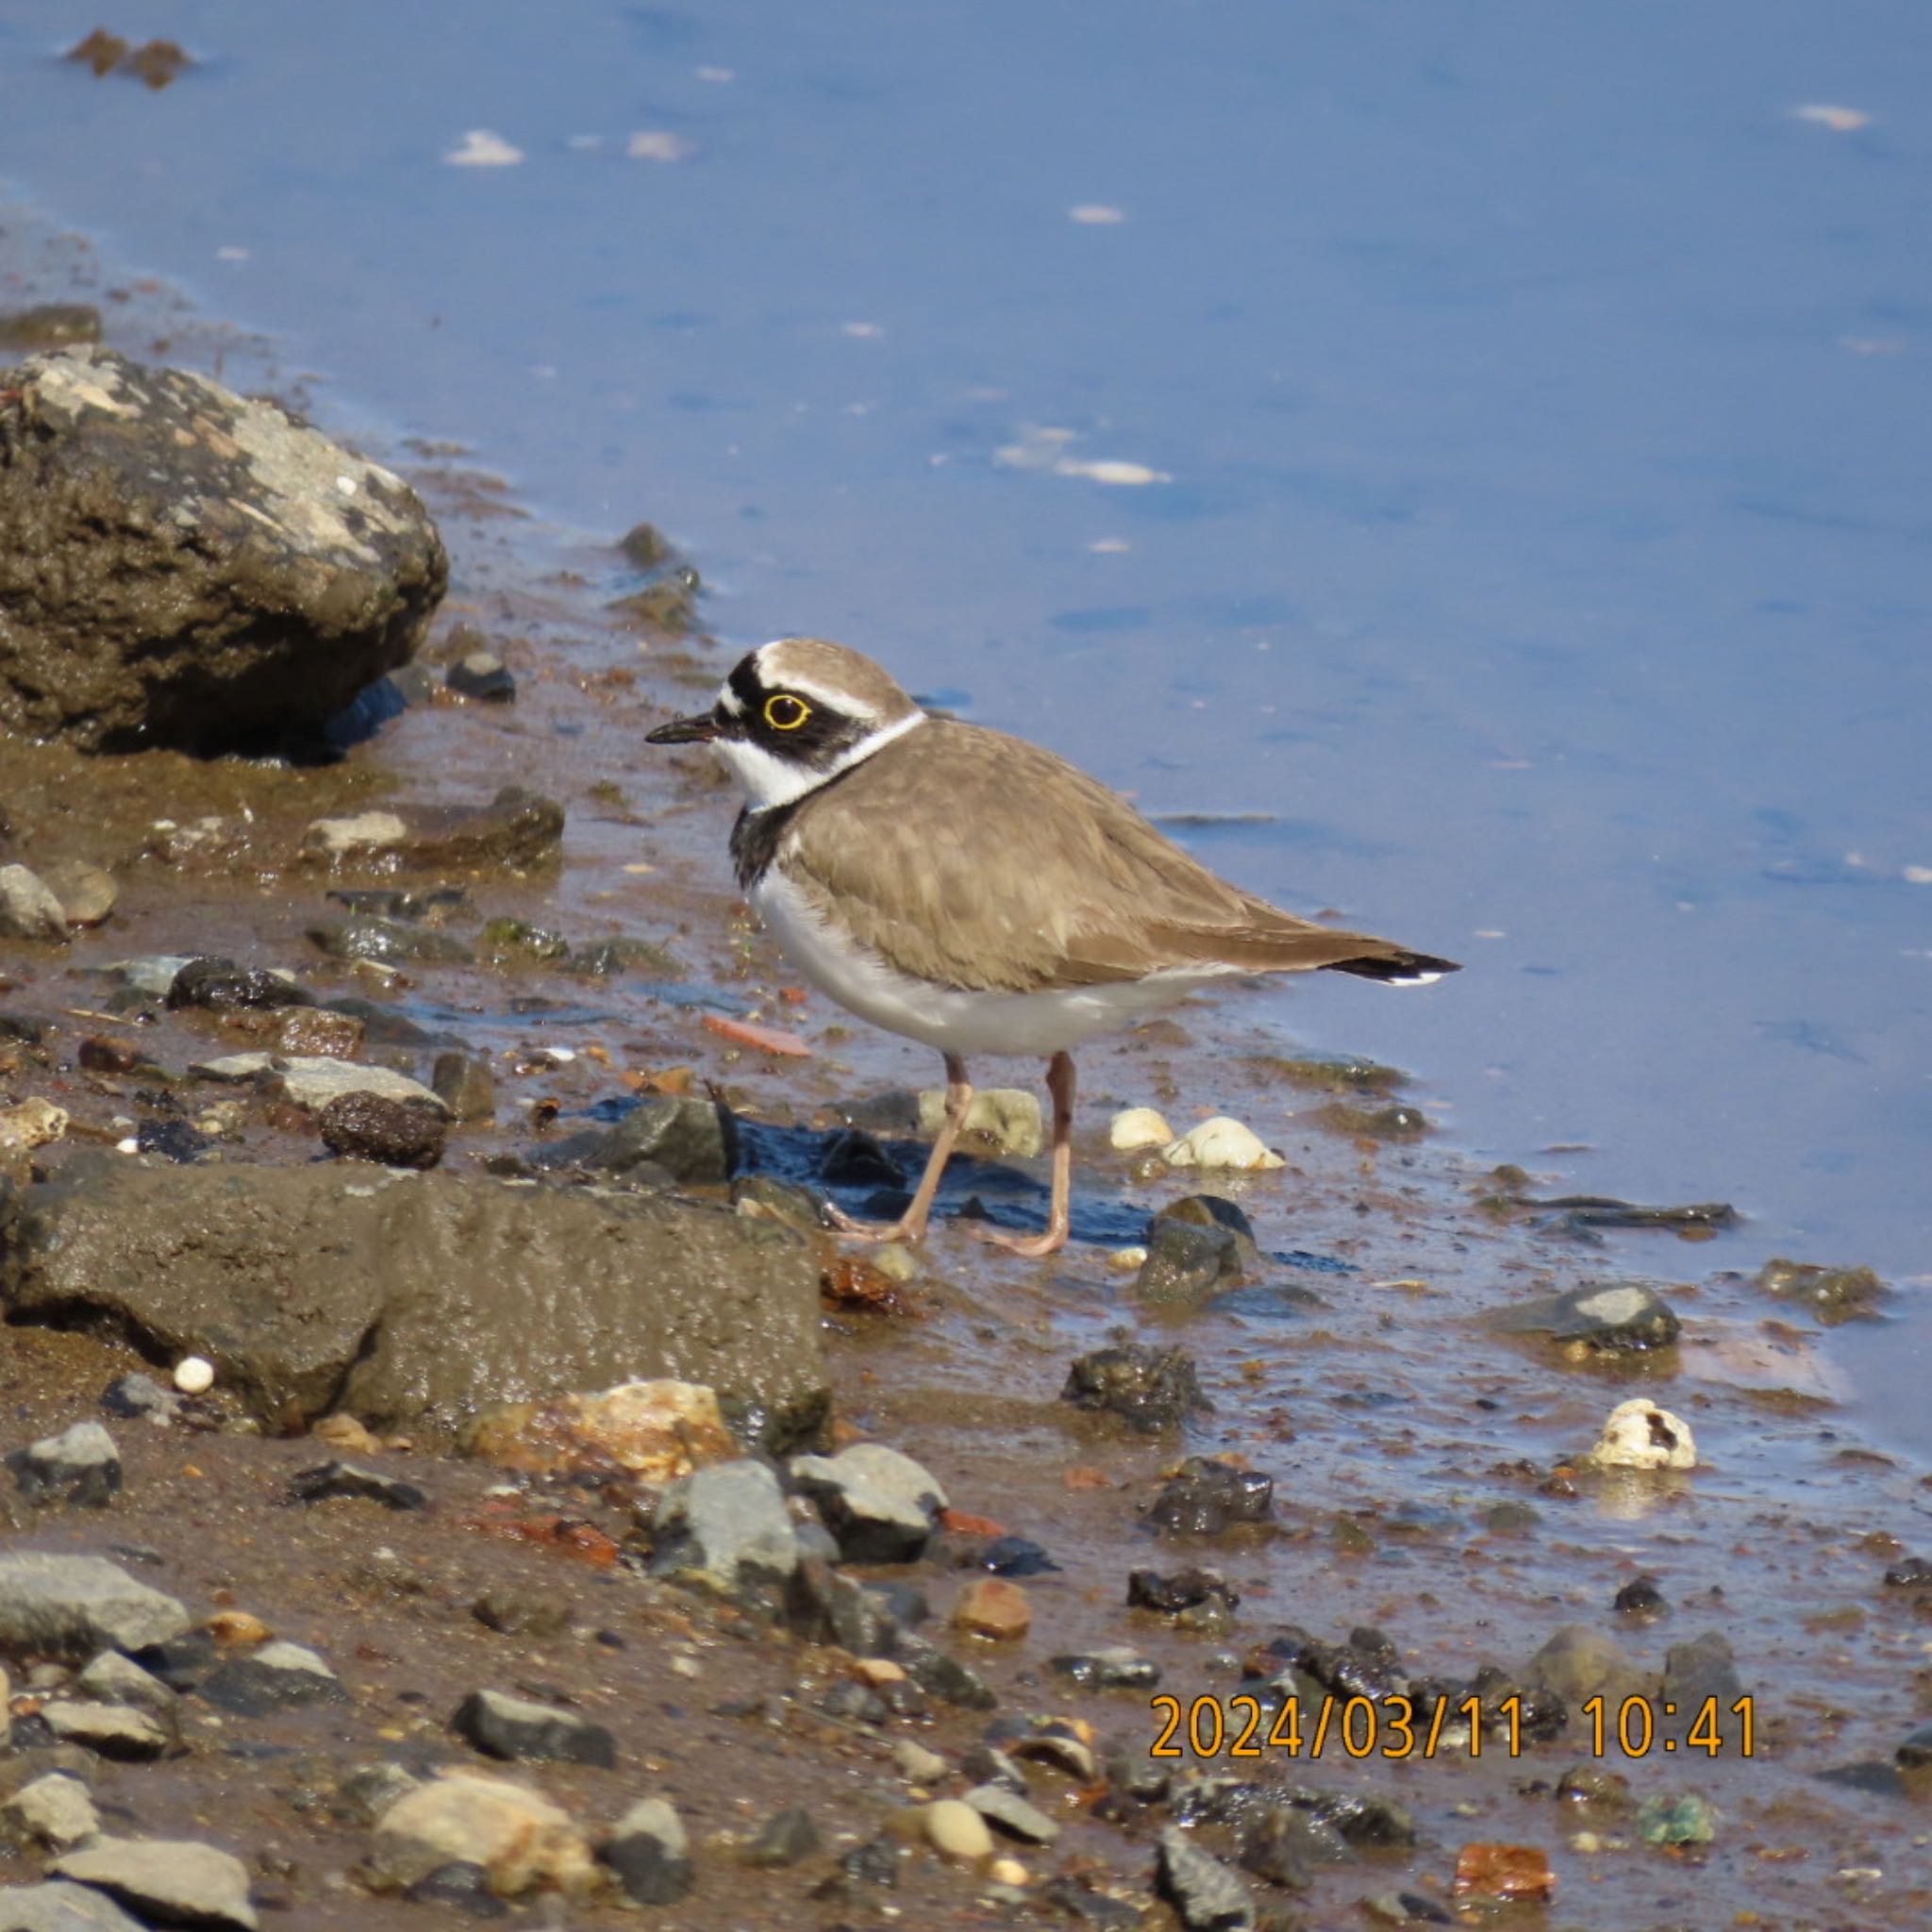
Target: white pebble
{"x": 1221, "y": 1142}
{"x": 1138, "y": 1127}
{"x": 957, "y": 1831}
{"x": 194, "y": 1374}
{"x": 1639, "y": 1435}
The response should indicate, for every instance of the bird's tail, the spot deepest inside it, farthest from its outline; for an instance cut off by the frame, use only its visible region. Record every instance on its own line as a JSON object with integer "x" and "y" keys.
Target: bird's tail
{"x": 1394, "y": 967}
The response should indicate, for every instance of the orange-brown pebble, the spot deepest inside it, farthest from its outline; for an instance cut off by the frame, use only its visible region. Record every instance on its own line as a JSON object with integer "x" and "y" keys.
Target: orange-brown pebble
{"x": 237, "y": 1626}
{"x": 991, "y": 1607}
{"x": 1503, "y": 1871}
{"x": 879, "y": 1670}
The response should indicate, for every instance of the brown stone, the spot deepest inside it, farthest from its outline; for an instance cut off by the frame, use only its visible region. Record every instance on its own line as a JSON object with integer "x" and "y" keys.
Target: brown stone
{"x": 991, "y": 1607}
{"x": 1503, "y": 1871}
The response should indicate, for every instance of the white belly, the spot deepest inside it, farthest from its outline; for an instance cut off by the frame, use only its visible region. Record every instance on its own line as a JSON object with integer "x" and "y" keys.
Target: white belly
{"x": 967, "y": 1023}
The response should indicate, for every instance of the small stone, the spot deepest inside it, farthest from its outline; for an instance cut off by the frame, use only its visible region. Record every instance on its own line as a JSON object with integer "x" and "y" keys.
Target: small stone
{"x": 194, "y": 1374}
{"x": 1139, "y": 1128}
{"x": 278, "y": 1676}
{"x": 87, "y": 892}
{"x": 139, "y": 1397}
{"x": 1503, "y": 1871}
{"x": 880, "y": 1504}
{"x": 686, "y": 1137}
{"x": 1186, "y": 1590}
{"x": 1008, "y": 1871}
{"x": 1832, "y": 1294}
{"x": 31, "y": 1123}
{"x": 515, "y": 1727}
{"x": 55, "y": 1811}
{"x": 726, "y": 1525}
{"x": 388, "y": 941}
{"x": 1186, "y": 1266}
{"x": 1064, "y": 1743}
{"x": 365, "y": 832}
{"x": 80, "y": 1467}
{"x": 113, "y": 1678}
{"x": 1394, "y": 1122}
{"x": 1113, "y": 1667}
{"x": 1915, "y": 1752}
{"x": 1613, "y": 1317}
{"x": 391, "y": 1133}
{"x": 1221, "y": 1143}
{"x": 319, "y": 1033}
{"x": 464, "y": 1083}
{"x": 991, "y": 1607}
{"x": 1639, "y": 1598}
{"x": 657, "y": 1431}
{"x": 57, "y": 1905}
{"x": 333, "y": 1481}
{"x": 943, "y": 1676}
{"x": 1149, "y": 1389}
{"x": 28, "y": 909}
{"x": 111, "y": 1731}
{"x": 61, "y": 1606}
{"x": 1685, "y": 1819}
{"x": 217, "y": 985}
{"x": 1639, "y": 1435}
{"x": 1005, "y": 1116}
{"x": 172, "y": 1880}
{"x": 786, "y": 1838}
{"x": 313, "y": 1082}
{"x": 521, "y": 1838}
{"x": 650, "y": 1852}
{"x": 518, "y": 1613}
{"x": 1206, "y": 1895}
{"x": 481, "y": 675}
{"x": 1011, "y": 1814}
{"x": 460, "y": 1885}
{"x": 1207, "y": 1496}
{"x": 956, "y": 1831}
{"x": 917, "y": 1764}
{"x": 1577, "y": 1663}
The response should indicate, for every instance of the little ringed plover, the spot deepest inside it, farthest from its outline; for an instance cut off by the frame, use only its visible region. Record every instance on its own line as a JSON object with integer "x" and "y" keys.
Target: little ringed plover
{"x": 974, "y": 891}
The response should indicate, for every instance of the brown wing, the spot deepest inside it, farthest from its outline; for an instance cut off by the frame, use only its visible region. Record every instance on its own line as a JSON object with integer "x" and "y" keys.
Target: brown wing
{"x": 1012, "y": 896}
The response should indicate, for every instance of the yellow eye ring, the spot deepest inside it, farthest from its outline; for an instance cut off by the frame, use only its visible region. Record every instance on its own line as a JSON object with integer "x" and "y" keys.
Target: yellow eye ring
{"x": 784, "y": 712}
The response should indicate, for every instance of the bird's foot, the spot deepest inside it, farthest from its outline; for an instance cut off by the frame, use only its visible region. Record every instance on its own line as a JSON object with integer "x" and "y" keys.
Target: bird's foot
{"x": 1030, "y": 1247}
{"x": 905, "y": 1229}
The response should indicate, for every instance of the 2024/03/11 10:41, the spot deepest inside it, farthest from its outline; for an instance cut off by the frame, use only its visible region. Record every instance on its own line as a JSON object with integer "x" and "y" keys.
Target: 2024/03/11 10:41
{"x": 1397, "y": 1728}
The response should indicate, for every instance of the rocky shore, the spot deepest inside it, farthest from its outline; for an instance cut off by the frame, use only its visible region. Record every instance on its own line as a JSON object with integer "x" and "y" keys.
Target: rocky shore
{"x": 452, "y": 1473}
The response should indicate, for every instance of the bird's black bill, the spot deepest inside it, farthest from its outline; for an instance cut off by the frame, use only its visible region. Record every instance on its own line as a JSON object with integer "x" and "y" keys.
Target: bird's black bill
{"x": 699, "y": 730}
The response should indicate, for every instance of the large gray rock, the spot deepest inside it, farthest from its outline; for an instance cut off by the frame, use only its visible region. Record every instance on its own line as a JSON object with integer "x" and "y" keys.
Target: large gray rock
{"x": 179, "y": 566}
{"x": 726, "y": 1525}
{"x": 57, "y": 1605}
{"x": 879, "y": 1503}
{"x": 420, "y": 1299}
{"x": 1205, "y": 1895}
{"x": 172, "y": 1881}
{"x": 58, "y": 1906}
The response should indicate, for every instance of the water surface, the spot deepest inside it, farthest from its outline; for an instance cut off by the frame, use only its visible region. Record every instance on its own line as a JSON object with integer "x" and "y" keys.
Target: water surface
{"x": 1488, "y": 443}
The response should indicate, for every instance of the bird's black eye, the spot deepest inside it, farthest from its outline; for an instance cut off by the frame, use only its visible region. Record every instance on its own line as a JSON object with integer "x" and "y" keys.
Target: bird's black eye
{"x": 784, "y": 712}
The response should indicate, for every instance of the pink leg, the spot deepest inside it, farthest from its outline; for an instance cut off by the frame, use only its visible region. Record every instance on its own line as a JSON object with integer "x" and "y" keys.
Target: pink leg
{"x": 911, "y": 1226}
{"x": 1059, "y": 1083}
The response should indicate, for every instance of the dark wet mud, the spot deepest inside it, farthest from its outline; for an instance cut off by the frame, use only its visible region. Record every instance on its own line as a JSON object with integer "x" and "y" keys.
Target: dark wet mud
{"x": 1436, "y": 1573}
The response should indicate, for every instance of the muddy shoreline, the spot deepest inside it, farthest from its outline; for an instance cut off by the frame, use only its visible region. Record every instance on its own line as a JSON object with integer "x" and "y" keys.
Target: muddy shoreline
{"x": 1427, "y": 1480}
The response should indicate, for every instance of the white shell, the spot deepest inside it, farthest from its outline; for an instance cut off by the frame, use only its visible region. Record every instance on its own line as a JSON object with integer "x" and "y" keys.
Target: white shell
{"x": 194, "y": 1374}
{"x": 1138, "y": 1127}
{"x": 1639, "y": 1435}
{"x": 1221, "y": 1142}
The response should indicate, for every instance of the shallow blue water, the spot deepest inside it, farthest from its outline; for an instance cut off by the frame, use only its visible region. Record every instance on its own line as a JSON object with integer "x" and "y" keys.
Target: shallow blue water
{"x": 1537, "y": 401}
